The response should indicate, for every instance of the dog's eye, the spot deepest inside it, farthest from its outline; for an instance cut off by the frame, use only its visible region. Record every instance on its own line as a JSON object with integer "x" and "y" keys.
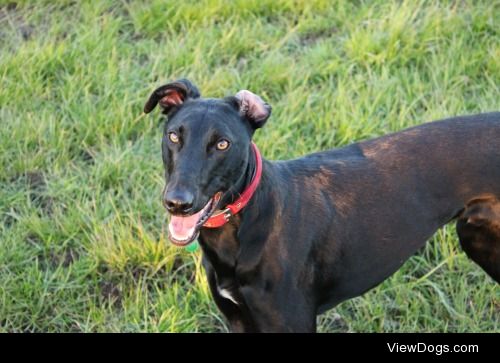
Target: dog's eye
{"x": 173, "y": 137}
{"x": 222, "y": 144}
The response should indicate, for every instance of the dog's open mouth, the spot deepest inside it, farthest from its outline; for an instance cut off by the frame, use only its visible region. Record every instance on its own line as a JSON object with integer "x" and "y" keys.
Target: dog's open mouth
{"x": 182, "y": 230}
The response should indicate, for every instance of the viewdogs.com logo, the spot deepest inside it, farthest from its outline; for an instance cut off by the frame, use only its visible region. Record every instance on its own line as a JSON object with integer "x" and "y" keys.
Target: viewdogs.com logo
{"x": 437, "y": 349}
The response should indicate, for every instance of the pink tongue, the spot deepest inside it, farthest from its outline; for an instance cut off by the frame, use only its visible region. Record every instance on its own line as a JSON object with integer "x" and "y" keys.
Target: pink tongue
{"x": 182, "y": 227}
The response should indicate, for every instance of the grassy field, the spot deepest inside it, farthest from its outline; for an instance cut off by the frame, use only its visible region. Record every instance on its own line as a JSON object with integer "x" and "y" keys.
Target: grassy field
{"x": 82, "y": 230}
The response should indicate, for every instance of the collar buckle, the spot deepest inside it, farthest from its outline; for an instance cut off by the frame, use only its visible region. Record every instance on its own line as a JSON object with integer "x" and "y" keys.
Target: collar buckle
{"x": 227, "y": 214}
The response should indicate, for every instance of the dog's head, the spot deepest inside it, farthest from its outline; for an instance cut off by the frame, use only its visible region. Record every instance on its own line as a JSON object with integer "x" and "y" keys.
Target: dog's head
{"x": 206, "y": 149}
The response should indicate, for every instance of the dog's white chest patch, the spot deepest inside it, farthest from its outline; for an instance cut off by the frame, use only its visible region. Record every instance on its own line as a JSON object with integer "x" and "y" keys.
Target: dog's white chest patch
{"x": 226, "y": 295}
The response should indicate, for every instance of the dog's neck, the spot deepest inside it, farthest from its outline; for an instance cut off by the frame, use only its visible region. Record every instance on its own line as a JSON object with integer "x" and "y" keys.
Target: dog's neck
{"x": 223, "y": 245}
{"x": 242, "y": 183}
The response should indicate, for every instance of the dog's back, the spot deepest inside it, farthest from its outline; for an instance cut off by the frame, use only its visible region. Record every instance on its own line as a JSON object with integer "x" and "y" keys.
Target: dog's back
{"x": 385, "y": 197}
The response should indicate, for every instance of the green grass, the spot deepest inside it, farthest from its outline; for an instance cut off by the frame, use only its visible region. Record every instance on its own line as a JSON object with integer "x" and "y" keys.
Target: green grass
{"x": 82, "y": 242}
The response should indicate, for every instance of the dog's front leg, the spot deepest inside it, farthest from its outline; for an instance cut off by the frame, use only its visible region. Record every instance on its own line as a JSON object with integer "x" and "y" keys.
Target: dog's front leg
{"x": 283, "y": 311}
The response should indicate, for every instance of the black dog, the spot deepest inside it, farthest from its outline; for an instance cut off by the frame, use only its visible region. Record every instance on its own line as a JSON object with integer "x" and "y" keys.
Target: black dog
{"x": 323, "y": 228}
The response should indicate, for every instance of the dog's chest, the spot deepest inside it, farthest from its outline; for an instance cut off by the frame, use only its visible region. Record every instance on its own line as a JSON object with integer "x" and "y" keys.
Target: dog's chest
{"x": 228, "y": 294}
{"x": 227, "y": 287}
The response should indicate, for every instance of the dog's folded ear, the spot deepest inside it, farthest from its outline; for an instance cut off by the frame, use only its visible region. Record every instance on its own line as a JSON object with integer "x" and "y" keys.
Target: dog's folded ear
{"x": 253, "y": 108}
{"x": 171, "y": 95}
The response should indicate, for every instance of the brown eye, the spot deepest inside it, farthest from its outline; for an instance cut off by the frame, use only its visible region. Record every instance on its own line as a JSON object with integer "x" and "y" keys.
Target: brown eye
{"x": 173, "y": 137}
{"x": 222, "y": 144}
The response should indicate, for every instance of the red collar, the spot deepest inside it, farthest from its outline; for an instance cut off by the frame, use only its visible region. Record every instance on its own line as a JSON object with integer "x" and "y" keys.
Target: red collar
{"x": 222, "y": 217}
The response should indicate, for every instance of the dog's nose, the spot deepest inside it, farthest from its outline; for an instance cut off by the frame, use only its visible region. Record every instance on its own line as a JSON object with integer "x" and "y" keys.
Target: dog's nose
{"x": 178, "y": 201}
